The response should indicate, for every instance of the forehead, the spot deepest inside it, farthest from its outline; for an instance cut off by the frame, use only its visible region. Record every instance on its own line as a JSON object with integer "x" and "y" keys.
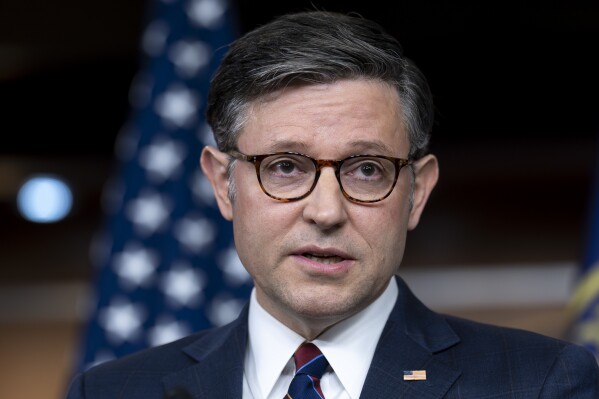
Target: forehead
{"x": 344, "y": 118}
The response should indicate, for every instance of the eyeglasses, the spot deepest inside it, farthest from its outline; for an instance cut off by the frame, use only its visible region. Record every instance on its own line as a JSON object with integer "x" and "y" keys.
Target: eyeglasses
{"x": 289, "y": 176}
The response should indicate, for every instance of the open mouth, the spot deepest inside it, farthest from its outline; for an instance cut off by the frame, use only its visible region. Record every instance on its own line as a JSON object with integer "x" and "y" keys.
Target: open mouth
{"x": 324, "y": 259}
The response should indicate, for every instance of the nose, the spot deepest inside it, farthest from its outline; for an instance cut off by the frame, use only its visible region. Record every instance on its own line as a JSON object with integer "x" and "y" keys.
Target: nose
{"x": 326, "y": 205}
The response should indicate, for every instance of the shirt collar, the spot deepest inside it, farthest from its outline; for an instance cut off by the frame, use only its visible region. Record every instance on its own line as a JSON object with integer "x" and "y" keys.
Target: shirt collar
{"x": 348, "y": 346}
{"x": 269, "y": 351}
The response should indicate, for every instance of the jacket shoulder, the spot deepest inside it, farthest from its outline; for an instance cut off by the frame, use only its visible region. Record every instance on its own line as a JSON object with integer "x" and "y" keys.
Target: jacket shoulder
{"x": 525, "y": 362}
{"x": 141, "y": 374}
{"x": 143, "y": 370}
{"x": 516, "y": 345}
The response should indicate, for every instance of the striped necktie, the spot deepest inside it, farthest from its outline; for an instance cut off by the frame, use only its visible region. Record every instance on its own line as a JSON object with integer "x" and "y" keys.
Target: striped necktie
{"x": 310, "y": 365}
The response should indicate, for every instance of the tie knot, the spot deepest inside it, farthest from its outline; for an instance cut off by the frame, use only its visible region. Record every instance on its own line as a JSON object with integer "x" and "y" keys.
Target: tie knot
{"x": 309, "y": 360}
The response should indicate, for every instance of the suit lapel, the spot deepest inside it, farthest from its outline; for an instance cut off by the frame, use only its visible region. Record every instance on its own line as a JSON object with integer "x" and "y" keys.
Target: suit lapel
{"x": 219, "y": 372}
{"x": 410, "y": 340}
{"x": 414, "y": 338}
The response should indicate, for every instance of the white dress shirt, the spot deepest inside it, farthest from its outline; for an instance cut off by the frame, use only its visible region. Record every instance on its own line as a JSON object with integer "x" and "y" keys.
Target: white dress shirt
{"x": 348, "y": 346}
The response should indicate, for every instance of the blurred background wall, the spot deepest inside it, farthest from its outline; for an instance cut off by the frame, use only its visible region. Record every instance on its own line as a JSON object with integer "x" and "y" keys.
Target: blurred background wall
{"x": 515, "y": 85}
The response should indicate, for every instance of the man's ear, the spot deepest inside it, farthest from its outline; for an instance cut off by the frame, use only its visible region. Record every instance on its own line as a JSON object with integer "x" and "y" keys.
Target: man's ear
{"x": 214, "y": 164}
{"x": 426, "y": 171}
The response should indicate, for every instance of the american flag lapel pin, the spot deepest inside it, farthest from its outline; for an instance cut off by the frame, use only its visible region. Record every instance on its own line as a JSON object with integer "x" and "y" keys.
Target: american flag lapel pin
{"x": 414, "y": 375}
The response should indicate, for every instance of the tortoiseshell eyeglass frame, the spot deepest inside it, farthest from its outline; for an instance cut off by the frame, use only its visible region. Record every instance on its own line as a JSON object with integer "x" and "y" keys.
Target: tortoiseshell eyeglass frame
{"x": 318, "y": 165}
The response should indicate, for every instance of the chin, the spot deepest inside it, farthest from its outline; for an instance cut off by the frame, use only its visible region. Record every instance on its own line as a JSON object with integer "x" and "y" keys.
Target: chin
{"x": 325, "y": 307}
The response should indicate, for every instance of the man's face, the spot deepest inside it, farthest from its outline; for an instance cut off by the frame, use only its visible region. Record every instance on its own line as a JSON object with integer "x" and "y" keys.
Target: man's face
{"x": 323, "y": 258}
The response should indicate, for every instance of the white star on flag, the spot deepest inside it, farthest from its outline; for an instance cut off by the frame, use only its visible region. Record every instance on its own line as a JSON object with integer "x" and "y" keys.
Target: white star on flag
{"x": 189, "y": 57}
{"x": 224, "y": 309}
{"x": 140, "y": 92}
{"x": 122, "y": 320}
{"x": 206, "y": 13}
{"x": 148, "y": 212}
{"x": 126, "y": 143}
{"x": 205, "y": 135}
{"x": 154, "y": 38}
{"x": 177, "y": 106}
{"x": 183, "y": 285}
{"x": 195, "y": 233}
{"x": 135, "y": 266}
{"x": 202, "y": 189}
{"x": 234, "y": 271}
{"x": 162, "y": 159}
{"x": 167, "y": 330}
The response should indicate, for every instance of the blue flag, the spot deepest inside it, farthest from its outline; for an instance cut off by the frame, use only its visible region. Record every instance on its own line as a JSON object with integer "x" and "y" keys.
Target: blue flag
{"x": 585, "y": 303}
{"x": 166, "y": 264}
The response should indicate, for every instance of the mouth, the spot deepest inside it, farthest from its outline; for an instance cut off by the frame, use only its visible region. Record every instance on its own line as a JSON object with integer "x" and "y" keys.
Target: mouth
{"x": 324, "y": 259}
{"x": 323, "y": 256}
{"x": 323, "y": 262}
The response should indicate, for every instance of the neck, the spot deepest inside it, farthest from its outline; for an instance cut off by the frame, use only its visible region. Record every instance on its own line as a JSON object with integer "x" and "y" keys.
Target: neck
{"x": 309, "y": 326}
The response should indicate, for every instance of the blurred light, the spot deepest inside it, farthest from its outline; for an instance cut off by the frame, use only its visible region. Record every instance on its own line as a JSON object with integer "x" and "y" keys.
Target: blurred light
{"x": 44, "y": 199}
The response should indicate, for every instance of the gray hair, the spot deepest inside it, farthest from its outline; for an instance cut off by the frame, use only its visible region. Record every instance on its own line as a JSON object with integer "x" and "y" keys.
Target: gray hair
{"x": 311, "y": 48}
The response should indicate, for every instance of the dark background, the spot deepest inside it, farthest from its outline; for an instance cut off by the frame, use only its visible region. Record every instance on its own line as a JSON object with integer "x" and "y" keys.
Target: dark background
{"x": 516, "y": 90}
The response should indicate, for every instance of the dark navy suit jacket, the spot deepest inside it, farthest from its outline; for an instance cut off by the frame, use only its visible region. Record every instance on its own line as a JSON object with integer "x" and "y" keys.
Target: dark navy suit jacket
{"x": 462, "y": 359}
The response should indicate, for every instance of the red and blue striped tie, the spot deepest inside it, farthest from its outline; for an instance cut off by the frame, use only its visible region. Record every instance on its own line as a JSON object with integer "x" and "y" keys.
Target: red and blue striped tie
{"x": 310, "y": 365}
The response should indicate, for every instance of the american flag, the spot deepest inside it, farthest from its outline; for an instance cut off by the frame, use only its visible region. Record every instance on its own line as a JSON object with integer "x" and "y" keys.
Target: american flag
{"x": 414, "y": 375}
{"x": 585, "y": 303}
{"x": 166, "y": 264}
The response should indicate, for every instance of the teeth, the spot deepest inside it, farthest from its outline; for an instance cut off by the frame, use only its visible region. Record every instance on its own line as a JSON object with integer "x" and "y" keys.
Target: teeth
{"x": 327, "y": 260}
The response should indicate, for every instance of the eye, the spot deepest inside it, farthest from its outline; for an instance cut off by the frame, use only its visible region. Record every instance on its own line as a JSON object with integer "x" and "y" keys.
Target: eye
{"x": 368, "y": 169}
{"x": 364, "y": 169}
{"x": 286, "y": 165}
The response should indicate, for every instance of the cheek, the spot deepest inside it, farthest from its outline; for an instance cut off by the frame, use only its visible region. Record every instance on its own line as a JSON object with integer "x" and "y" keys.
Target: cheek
{"x": 385, "y": 230}
{"x": 260, "y": 224}
{"x": 387, "y": 218}
{"x": 246, "y": 216}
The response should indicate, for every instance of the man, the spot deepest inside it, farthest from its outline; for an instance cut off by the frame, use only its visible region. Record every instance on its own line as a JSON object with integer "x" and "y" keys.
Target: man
{"x": 322, "y": 128}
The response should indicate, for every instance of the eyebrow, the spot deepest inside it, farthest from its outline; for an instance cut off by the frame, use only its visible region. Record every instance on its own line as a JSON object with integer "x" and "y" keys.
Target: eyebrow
{"x": 354, "y": 146}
